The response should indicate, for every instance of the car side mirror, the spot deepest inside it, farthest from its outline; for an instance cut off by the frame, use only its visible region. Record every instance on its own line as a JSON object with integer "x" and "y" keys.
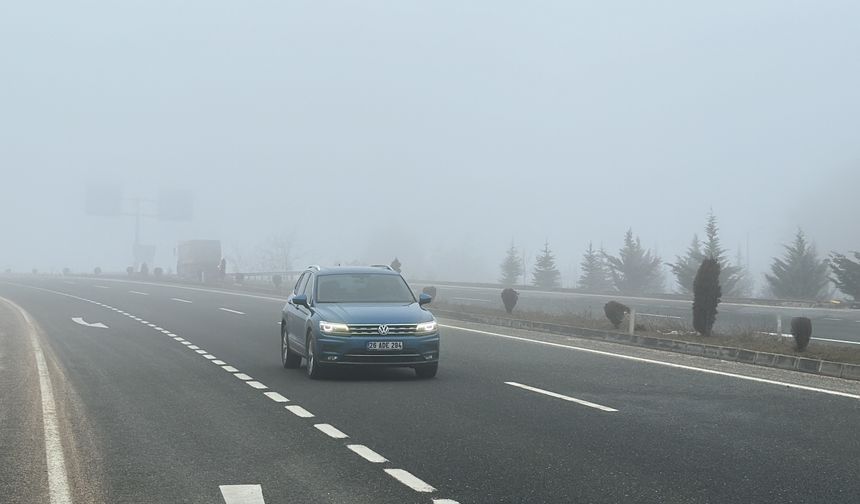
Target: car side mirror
{"x": 301, "y": 300}
{"x": 424, "y": 299}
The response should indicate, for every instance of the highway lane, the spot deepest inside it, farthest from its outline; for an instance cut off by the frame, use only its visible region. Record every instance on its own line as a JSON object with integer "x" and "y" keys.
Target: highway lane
{"x": 831, "y": 323}
{"x": 678, "y": 435}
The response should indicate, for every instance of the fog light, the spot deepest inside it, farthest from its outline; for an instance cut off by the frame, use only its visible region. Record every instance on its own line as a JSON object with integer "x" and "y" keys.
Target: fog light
{"x": 332, "y": 357}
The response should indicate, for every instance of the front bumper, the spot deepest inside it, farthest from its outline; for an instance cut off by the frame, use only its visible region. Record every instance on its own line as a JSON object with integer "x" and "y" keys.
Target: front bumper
{"x": 352, "y": 350}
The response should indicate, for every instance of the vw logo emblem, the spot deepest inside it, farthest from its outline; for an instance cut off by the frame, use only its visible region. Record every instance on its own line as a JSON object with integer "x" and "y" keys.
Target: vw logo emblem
{"x": 383, "y": 329}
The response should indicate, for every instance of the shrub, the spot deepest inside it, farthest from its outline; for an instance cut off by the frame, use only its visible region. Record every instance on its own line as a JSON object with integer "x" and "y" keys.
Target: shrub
{"x": 706, "y": 296}
{"x": 509, "y": 299}
{"x": 240, "y": 277}
{"x": 430, "y": 291}
{"x": 158, "y": 272}
{"x": 801, "y": 329}
{"x": 144, "y": 269}
{"x": 97, "y": 271}
{"x": 67, "y": 272}
{"x": 277, "y": 280}
{"x": 615, "y": 312}
{"x": 130, "y": 270}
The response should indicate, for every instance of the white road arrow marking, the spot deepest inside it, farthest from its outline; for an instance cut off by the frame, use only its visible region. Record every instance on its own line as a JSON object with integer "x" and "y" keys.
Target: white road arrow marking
{"x": 79, "y": 320}
{"x": 242, "y": 494}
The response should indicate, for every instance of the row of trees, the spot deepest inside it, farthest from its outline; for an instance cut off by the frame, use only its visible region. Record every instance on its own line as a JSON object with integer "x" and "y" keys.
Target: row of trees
{"x": 799, "y": 274}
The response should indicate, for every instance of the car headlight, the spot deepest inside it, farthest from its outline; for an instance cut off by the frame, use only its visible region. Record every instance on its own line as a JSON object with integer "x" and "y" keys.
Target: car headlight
{"x": 427, "y": 327}
{"x": 333, "y": 328}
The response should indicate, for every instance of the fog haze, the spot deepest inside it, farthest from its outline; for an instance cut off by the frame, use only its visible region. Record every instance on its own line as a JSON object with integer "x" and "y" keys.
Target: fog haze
{"x": 437, "y": 132}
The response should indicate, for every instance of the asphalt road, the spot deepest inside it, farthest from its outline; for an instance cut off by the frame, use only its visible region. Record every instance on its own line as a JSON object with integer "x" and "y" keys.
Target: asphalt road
{"x": 145, "y": 412}
{"x": 828, "y": 323}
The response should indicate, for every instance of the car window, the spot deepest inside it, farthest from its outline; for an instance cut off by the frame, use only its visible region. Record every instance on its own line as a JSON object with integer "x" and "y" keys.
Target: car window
{"x": 308, "y": 288}
{"x": 300, "y": 283}
{"x": 363, "y": 288}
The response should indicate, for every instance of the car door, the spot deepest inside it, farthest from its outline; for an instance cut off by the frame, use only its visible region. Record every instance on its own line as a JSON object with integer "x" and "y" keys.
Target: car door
{"x": 303, "y": 314}
{"x": 294, "y": 315}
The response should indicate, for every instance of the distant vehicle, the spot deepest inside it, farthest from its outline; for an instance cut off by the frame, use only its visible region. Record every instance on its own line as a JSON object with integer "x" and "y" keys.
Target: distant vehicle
{"x": 358, "y": 316}
{"x": 198, "y": 259}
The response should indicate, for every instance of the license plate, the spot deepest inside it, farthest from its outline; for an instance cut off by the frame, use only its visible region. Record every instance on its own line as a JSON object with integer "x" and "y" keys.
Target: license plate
{"x": 385, "y": 345}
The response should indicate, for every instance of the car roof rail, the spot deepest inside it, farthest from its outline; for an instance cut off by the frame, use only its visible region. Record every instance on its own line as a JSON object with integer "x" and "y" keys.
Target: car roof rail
{"x": 315, "y": 266}
{"x": 389, "y": 268}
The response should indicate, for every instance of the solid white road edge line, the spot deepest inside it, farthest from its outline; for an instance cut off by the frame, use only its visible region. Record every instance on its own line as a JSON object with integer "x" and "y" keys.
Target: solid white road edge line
{"x": 242, "y": 494}
{"x": 300, "y": 412}
{"x": 409, "y": 480}
{"x": 659, "y": 363}
{"x": 228, "y": 310}
{"x": 331, "y": 431}
{"x": 58, "y": 480}
{"x": 560, "y": 396}
{"x": 367, "y": 454}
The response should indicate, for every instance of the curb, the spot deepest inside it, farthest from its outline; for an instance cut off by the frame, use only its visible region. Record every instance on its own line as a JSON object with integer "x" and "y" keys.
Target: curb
{"x": 765, "y": 359}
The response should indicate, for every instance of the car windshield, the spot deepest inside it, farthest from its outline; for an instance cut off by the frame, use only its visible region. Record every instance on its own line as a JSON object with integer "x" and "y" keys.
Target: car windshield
{"x": 363, "y": 288}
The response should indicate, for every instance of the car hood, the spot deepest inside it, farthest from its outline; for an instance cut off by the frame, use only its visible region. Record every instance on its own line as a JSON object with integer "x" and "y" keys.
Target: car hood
{"x": 355, "y": 313}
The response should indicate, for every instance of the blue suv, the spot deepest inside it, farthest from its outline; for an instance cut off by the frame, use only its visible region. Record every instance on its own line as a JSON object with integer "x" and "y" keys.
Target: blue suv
{"x": 358, "y": 316}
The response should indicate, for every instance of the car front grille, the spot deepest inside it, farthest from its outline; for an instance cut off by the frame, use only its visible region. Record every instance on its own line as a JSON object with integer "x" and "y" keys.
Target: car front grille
{"x": 373, "y": 329}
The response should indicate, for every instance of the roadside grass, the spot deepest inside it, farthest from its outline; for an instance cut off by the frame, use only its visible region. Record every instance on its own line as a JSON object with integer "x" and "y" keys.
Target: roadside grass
{"x": 759, "y": 339}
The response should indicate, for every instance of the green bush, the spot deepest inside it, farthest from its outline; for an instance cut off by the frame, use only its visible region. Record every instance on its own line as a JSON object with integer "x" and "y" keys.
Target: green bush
{"x": 801, "y": 329}
{"x": 615, "y": 312}
{"x": 706, "y": 296}
{"x": 509, "y": 299}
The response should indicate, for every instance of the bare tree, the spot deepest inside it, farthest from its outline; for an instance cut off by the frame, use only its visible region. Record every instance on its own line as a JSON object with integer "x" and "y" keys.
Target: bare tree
{"x": 275, "y": 253}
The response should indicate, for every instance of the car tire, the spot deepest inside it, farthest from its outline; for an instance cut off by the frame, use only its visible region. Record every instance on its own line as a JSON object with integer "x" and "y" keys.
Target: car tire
{"x": 427, "y": 370}
{"x": 289, "y": 359}
{"x": 314, "y": 369}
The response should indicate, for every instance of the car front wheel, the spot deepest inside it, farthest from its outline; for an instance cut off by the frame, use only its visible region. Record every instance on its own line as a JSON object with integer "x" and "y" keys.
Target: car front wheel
{"x": 289, "y": 359}
{"x": 314, "y": 370}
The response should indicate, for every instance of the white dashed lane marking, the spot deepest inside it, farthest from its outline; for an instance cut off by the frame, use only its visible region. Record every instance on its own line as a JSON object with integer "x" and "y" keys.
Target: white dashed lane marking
{"x": 278, "y": 398}
{"x": 257, "y": 385}
{"x": 409, "y": 480}
{"x": 228, "y": 310}
{"x": 138, "y": 293}
{"x": 331, "y": 431}
{"x": 367, "y": 454}
{"x": 230, "y": 369}
{"x": 300, "y": 412}
{"x": 242, "y": 376}
{"x": 218, "y": 362}
{"x": 180, "y": 300}
{"x": 562, "y": 397}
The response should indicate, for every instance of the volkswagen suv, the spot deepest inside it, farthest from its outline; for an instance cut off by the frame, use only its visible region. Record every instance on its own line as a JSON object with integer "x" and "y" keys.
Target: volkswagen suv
{"x": 364, "y": 316}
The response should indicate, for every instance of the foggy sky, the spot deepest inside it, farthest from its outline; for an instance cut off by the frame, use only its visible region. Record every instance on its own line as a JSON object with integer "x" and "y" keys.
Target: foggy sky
{"x": 437, "y": 131}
